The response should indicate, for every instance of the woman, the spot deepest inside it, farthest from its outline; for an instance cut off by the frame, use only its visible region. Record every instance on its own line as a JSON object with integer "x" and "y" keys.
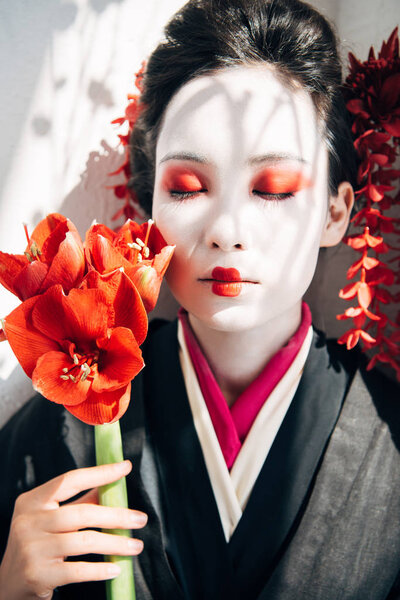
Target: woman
{"x": 264, "y": 458}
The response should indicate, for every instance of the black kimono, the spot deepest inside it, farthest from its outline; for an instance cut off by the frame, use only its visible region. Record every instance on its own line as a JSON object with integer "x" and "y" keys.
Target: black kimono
{"x": 322, "y": 521}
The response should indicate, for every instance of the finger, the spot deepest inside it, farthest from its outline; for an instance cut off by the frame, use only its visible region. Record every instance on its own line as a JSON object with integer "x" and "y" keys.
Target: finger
{"x": 91, "y": 497}
{"x": 73, "y": 482}
{"x": 64, "y": 573}
{"x": 94, "y": 542}
{"x": 81, "y": 516}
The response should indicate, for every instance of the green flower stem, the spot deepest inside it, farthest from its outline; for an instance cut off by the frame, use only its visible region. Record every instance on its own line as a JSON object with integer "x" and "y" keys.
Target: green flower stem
{"x": 108, "y": 445}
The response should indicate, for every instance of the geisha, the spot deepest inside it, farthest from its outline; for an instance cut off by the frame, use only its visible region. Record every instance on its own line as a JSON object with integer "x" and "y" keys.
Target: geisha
{"x": 265, "y": 459}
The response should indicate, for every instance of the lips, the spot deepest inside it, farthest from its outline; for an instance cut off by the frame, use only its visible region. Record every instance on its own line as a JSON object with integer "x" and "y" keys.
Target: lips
{"x": 227, "y": 282}
{"x": 229, "y": 275}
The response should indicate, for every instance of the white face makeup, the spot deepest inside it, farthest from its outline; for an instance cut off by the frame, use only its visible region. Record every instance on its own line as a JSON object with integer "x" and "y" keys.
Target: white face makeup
{"x": 241, "y": 184}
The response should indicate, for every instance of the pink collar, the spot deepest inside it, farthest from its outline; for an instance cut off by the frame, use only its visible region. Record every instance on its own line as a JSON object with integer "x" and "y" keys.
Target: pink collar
{"x": 233, "y": 424}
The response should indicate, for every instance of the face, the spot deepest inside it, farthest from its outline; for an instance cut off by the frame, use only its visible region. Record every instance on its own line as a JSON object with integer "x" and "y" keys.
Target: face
{"x": 241, "y": 189}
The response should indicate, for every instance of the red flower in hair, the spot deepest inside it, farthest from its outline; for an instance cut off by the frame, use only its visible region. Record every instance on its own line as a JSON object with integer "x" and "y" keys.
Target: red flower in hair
{"x": 351, "y": 337}
{"x": 373, "y": 96}
{"x": 376, "y": 87}
{"x": 131, "y": 207}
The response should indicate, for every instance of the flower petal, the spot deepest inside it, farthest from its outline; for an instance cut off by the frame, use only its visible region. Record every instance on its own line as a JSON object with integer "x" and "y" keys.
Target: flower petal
{"x": 162, "y": 259}
{"x": 120, "y": 360}
{"x": 102, "y": 255}
{"x": 46, "y": 379}
{"x": 100, "y": 229}
{"x": 46, "y": 227}
{"x": 103, "y": 407}
{"x": 364, "y": 294}
{"x": 27, "y": 343}
{"x": 367, "y": 338}
{"x": 10, "y": 267}
{"x": 349, "y": 291}
{"x": 82, "y": 316}
{"x": 354, "y": 268}
{"x": 123, "y": 296}
{"x": 147, "y": 282}
{"x": 68, "y": 265}
{"x": 28, "y": 282}
{"x": 350, "y": 338}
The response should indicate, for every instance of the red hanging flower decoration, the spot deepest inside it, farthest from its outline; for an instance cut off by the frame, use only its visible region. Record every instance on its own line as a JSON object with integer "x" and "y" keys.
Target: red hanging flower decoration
{"x": 372, "y": 91}
{"x": 131, "y": 208}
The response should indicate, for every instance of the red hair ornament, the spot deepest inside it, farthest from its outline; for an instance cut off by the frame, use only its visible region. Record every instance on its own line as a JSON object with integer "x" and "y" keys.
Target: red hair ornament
{"x": 131, "y": 208}
{"x": 372, "y": 91}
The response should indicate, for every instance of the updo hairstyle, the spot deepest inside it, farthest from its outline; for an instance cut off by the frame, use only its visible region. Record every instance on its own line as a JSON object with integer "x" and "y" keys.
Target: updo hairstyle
{"x": 208, "y": 35}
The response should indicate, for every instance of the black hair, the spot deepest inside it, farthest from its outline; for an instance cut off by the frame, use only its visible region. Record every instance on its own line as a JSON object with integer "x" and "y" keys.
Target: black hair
{"x": 207, "y": 35}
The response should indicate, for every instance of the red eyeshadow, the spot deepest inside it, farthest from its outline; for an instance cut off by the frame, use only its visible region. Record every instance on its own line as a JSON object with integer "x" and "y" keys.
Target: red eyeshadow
{"x": 182, "y": 180}
{"x": 281, "y": 181}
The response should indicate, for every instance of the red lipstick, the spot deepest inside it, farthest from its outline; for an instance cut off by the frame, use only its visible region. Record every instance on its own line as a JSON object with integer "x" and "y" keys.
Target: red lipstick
{"x": 227, "y": 282}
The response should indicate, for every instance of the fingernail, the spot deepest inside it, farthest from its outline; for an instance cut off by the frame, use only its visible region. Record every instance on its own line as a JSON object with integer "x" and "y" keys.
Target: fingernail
{"x": 123, "y": 465}
{"x": 139, "y": 519}
{"x": 113, "y": 570}
{"x": 135, "y": 545}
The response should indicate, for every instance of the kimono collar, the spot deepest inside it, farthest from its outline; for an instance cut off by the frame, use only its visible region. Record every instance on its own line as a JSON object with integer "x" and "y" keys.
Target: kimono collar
{"x": 233, "y": 424}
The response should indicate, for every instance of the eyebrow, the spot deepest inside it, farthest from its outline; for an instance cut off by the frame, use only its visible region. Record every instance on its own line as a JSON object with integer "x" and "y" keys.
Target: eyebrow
{"x": 253, "y": 160}
{"x": 275, "y": 157}
{"x": 199, "y": 158}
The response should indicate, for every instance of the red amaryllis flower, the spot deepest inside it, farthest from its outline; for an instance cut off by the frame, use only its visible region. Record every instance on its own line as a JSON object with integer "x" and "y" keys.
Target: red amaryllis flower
{"x": 139, "y": 249}
{"x": 82, "y": 350}
{"x": 54, "y": 254}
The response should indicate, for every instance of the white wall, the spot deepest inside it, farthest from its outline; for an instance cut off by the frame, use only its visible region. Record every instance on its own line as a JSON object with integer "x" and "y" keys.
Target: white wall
{"x": 65, "y": 70}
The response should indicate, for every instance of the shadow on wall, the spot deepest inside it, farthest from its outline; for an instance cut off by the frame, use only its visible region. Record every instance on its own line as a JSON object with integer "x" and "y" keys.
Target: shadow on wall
{"x": 30, "y": 27}
{"x": 100, "y": 5}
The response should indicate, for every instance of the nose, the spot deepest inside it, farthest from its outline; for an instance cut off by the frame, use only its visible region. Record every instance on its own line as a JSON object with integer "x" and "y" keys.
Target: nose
{"x": 227, "y": 231}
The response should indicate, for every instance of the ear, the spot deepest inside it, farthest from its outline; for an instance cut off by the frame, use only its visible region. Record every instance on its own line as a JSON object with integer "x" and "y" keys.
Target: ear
{"x": 338, "y": 216}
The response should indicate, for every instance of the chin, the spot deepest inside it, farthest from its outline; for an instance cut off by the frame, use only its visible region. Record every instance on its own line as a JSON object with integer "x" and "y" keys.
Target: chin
{"x": 234, "y": 318}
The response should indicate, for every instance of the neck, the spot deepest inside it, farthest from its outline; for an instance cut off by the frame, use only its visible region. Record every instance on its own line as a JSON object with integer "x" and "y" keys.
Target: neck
{"x": 238, "y": 357}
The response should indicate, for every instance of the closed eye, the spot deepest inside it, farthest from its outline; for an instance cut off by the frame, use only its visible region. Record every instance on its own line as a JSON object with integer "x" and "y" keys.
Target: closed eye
{"x": 181, "y": 194}
{"x": 271, "y": 196}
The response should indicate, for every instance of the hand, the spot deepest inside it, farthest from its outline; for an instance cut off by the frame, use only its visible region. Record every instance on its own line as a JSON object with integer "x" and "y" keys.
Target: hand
{"x": 43, "y": 534}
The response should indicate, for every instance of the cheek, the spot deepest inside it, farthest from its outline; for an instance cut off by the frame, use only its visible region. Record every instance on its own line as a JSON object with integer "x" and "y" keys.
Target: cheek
{"x": 177, "y": 230}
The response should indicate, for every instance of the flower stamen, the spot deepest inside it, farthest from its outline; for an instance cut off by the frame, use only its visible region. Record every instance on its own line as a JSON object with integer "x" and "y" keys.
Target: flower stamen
{"x": 83, "y": 363}
{"x": 134, "y": 246}
{"x": 86, "y": 371}
{"x": 149, "y": 224}
{"x": 26, "y": 233}
{"x": 35, "y": 250}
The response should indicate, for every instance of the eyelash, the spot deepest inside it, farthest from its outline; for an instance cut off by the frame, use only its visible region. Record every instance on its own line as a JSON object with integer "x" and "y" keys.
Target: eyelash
{"x": 185, "y": 195}
{"x": 276, "y": 197}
